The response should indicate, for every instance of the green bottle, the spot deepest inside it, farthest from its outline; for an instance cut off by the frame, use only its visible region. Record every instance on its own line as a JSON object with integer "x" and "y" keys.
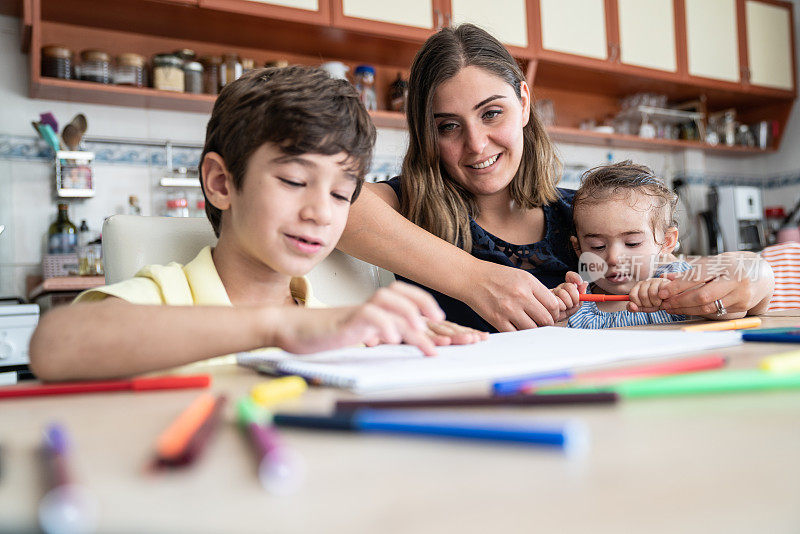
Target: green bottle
{"x": 62, "y": 238}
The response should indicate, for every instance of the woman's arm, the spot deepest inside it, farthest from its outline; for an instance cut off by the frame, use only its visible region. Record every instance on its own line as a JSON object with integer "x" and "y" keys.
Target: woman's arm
{"x": 508, "y": 298}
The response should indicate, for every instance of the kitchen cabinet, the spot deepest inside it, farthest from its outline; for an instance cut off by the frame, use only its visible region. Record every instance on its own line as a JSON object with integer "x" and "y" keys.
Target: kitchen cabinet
{"x": 311, "y": 11}
{"x": 647, "y": 34}
{"x": 770, "y": 46}
{"x": 576, "y": 27}
{"x": 507, "y": 20}
{"x": 712, "y": 39}
{"x": 409, "y": 19}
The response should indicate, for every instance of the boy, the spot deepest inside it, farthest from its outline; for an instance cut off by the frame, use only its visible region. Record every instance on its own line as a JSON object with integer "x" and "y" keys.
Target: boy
{"x": 285, "y": 155}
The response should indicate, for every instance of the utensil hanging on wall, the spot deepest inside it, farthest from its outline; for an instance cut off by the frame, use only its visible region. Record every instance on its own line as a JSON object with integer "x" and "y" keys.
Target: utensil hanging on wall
{"x": 73, "y": 132}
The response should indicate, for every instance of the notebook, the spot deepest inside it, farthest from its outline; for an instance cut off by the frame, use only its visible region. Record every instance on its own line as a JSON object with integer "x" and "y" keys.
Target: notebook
{"x": 503, "y": 355}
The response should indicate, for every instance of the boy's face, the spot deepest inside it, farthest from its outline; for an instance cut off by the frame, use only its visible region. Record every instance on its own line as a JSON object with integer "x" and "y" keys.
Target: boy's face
{"x": 619, "y": 231}
{"x": 290, "y": 210}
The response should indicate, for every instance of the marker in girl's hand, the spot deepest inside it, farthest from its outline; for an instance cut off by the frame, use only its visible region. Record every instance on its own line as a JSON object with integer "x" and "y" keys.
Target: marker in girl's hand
{"x": 593, "y": 297}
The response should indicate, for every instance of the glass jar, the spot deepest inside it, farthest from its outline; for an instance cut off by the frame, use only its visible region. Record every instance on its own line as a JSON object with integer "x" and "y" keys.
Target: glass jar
{"x": 364, "y": 78}
{"x": 193, "y": 77}
{"x": 177, "y": 206}
{"x": 168, "y": 73}
{"x": 129, "y": 70}
{"x": 398, "y": 94}
{"x": 248, "y": 64}
{"x": 57, "y": 62}
{"x": 230, "y": 69}
{"x": 211, "y": 74}
{"x": 95, "y": 66}
{"x": 185, "y": 54}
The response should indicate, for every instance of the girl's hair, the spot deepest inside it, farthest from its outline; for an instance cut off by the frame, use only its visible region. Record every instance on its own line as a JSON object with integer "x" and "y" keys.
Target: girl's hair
{"x": 430, "y": 197}
{"x": 622, "y": 180}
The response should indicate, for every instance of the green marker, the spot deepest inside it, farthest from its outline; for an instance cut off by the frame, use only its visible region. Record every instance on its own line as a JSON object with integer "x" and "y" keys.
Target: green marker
{"x": 706, "y": 382}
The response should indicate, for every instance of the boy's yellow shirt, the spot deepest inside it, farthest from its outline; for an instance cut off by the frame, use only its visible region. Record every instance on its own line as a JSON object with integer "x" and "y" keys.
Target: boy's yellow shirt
{"x": 195, "y": 284}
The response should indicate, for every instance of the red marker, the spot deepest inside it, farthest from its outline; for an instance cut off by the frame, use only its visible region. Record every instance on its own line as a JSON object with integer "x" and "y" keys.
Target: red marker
{"x": 593, "y": 297}
{"x": 134, "y": 384}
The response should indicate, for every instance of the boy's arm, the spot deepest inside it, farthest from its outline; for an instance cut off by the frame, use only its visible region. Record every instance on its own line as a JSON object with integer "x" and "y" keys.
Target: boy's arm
{"x": 508, "y": 298}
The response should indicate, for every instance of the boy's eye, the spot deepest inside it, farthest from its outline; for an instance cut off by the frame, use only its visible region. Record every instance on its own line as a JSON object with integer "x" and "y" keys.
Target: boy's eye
{"x": 343, "y": 198}
{"x": 291, "y": 183}
{"x": 492, "y": 114}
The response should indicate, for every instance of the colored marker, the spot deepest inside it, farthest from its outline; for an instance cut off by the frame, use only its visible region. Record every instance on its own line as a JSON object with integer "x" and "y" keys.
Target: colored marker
{"x": 184, "y": 439}
{"x": 773, "y": 335}
{"x": 571, "y": 436}
{"x": 465, "y": 402}
{"x": 596, "y": 297}
{"x": 735, "y": 324}
{"x": 278, "y": 390}
{"x": 723, "y": 381}
{"x": 135, "y": 384}
{"x": 66, "y": 506}
{"x": 530, "y": 383}
{"x": 280, "y": 470}
{"x": 784, "y": 362}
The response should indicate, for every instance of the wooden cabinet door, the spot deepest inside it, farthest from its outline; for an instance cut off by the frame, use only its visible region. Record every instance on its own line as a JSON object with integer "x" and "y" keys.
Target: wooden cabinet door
{"x": 770, "y": 44}
{"x": 647, "y": 34}
{"x": 308, "y": 11}
{"x": 507, "y": 20}
{"x": 410, "y": 19}
{"x": 712, "y": 39}
{"x": 577, "y": 27}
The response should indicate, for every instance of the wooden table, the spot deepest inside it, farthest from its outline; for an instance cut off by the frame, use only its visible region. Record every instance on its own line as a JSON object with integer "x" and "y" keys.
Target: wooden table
{"x": 723, "y": 463}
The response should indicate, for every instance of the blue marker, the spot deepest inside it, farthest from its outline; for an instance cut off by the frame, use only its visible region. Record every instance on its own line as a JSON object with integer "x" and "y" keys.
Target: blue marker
{"x": 513, "y": 386}
{"x": 571, "y": 436}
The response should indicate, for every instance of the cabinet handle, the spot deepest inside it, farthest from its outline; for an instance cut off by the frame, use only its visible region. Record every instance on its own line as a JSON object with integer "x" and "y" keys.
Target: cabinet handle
{"x": 447, "y": 20}
{"x": 439, "y": 19}
{"x": 612, "y": 57}
{"x": 745, "y": 74}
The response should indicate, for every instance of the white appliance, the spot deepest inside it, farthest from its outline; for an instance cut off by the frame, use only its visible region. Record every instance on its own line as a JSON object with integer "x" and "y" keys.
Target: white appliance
{"x": 740, "y": 215}
{"x": 17, "y": 322}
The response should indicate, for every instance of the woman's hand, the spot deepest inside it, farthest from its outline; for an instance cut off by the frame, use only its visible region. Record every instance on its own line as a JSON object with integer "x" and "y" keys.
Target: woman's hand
{"x": 508, "y": 298}
{"x": 395, "y": 314}
{"x": 644, "y": 295}
{"x": 742, "y": 282}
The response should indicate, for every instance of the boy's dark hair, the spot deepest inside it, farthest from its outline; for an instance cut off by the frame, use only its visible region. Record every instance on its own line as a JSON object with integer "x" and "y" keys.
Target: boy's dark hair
{"x": 300, "y": 109}
{"x": 622, "y": 179}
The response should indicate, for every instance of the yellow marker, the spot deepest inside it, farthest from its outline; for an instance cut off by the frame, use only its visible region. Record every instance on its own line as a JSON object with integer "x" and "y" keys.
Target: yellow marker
{"x": 735, "y": 324}
{"x": 278, "y": 390}
{"x": 782, "y": 363}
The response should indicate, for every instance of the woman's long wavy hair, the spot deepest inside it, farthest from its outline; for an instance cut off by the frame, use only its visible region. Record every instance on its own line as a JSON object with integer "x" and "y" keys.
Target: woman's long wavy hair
{"x": 431, "y": 198}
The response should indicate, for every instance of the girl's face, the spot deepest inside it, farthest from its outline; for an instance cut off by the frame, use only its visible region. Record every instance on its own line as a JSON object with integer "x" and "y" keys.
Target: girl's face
{"x": 479, "y": 120}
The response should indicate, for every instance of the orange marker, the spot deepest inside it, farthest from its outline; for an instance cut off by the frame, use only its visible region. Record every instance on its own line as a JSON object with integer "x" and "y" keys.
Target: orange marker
{"x": 735, "y": 324}
{"x": 173, "y": 441}
{"x": 592, "y": 297}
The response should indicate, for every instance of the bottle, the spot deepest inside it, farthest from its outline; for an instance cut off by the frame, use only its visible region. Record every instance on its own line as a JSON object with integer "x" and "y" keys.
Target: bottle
{"x": 365, "y": 85}
{"x": 398, "y": 94}
{"x": 133, "y": 205}
{"x": 62, "y": 237}
{"x": 84, "y": 235}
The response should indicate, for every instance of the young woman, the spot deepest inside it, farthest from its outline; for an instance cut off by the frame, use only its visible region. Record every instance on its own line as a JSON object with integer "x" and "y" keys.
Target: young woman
{"x": 476, "y": 215}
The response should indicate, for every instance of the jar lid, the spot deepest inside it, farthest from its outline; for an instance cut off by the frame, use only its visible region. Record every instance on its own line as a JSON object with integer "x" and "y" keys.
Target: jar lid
{"x": 95, "y": 55}
{"x": 130, "y": 60}
{"x": 167, "y": 60}
{"x": 177, "y": 203}
{"x": 185, "y": 53}
{"x": 193, "y": 66}
{"x": 365, "y": 69}
{"x": 211, "y": 60}
{"x": 56, "y": 51}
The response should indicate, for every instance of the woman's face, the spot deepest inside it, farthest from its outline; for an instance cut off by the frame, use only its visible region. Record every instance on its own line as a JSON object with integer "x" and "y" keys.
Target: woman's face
{"x": 479, "y": 120}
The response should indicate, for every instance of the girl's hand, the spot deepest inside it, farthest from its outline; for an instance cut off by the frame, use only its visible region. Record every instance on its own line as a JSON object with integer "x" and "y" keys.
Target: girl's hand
{"x": 395, "y": 314}
{"x": 644, "y": 295}
{"x": 508, "y": 298}
{"x": 569, "y": 294}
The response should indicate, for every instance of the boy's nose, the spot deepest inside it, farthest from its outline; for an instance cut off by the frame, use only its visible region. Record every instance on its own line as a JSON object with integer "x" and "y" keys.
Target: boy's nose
{"x": 317, "y": 208}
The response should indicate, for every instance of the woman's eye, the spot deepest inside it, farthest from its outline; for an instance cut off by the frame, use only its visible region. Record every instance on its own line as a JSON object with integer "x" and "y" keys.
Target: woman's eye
{"x": 447, "y": 127}
{"x": 291, "y": 183}
{"x": 492, "y": 114}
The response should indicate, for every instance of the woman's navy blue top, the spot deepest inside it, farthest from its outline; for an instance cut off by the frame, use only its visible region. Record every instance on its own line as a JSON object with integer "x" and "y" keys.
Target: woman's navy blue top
{"x": 548, "y": 260}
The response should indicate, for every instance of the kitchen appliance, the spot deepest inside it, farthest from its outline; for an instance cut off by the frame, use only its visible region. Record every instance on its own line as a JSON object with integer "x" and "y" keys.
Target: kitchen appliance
{"x": 17, "y": 322}
{"x": 740, "y": 218}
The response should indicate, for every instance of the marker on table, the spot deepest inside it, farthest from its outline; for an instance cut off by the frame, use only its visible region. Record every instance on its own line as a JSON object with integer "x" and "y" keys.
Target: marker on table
{"x": 596, "y": 297}
{"x": 724, "y": 381}
{"x": 185, "y": 438}
{"x": 66, "y": 506}
{"x": 527, "y": 384}
{"x": 135, "y": 384}
{"x": 773, "y": 335}
{"x": 466, "y": 402}
{"x": 570, "y": 436}
{"x": 734, "y": 324}
{"x": 782, "y": 363}
{"x": 278, "y": 390}
{"x": 280, "y": 470}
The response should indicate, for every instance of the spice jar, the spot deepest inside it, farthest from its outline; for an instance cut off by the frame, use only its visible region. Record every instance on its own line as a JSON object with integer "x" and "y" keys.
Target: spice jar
{"x": 186, "y": 54}
{"x": 193, "y": 77}
{"x": 364, "y": 78}
{"x": 398, "y": 94}
{"x": 95, "y": 66}
{"x": 211, "y": 75}
{"x": 230, "y": 70}
{"x": 57, "y": 62}
{"x": 248, "y": 64}
{"x": 129, "y": 70}
{"x": 168, "y": 72}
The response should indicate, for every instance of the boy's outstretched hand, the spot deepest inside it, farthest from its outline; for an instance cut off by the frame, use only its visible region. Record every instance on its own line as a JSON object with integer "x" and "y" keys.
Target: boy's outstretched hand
{"x": 568, "y": 294}
{"x": 399, "y": 313}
